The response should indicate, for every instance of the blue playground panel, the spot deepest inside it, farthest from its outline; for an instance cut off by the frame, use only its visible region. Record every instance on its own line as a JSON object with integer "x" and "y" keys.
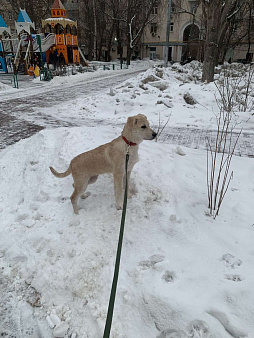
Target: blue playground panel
{"x": 3, "y": 67}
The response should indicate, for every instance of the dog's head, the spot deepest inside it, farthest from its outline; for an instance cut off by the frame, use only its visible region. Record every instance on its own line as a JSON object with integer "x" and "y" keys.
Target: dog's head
{"x": 138, "y": 129}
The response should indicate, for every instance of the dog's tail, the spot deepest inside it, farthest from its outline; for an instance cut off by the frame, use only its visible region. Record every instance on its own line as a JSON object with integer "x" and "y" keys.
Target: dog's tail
{"x": 60, "y": 175}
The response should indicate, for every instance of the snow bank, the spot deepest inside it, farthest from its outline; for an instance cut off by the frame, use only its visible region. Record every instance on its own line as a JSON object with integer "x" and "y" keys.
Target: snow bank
{"x": 178, "y": 264}
{"x": 4, "y": 87}
{"x": 158, "y": 93}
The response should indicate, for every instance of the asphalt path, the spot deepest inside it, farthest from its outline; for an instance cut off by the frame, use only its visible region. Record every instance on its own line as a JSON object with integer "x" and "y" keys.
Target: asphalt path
{"x": 19, "y": 111}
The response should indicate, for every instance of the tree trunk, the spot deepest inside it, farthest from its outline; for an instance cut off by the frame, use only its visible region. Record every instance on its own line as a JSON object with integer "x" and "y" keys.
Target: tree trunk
{"x": 211, "y": 46}
{"x": 129, "y": 54}
{"x": 95, "y": 31}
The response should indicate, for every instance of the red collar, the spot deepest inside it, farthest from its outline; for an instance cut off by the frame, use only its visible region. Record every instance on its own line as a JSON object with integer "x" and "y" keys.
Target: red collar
{"x": 128, "y": 142}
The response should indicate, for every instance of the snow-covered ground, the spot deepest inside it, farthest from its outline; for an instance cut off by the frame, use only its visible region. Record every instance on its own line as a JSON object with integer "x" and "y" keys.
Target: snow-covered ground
{"x": 183, "y": 274}
{"x": 31, "y": 87}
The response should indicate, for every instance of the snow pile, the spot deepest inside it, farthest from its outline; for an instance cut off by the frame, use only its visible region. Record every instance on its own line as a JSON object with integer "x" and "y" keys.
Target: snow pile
{"x": 158, "y": 93}
{"x": 4, "y": 87}
{"x": 236, "y": 83}
{"x": 190, "y": 72}
{"x": 183, "y": 274}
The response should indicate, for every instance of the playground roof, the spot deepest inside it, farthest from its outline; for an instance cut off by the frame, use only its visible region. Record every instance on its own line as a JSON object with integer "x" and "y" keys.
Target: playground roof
{"x": 23, "y": 16}
{"x": 2, "y": 22}
{"x": 62, "y": 21}
{"x": 57, "y": 5}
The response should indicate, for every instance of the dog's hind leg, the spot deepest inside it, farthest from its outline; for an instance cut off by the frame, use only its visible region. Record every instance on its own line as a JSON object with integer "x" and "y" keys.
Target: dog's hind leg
{"x": 92, "y": 180}
{"x": 79, "y": 189}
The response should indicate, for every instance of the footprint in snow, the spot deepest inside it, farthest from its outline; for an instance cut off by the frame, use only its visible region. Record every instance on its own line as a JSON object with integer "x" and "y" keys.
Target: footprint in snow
{"x": 21, "y": 217}
{"x": 152, "y": 261}
{"x": 42, "y": 197}
{"x": 169, "y": 333}
{"x": 234, "y": 278}
{"x": 231, "y": 261}
{"x": 198, "y": 329}
{"x": 169, "y": 276}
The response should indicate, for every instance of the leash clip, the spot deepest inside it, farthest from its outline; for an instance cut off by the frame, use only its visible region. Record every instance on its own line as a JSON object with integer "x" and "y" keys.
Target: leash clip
{"x": 128, "y": 147}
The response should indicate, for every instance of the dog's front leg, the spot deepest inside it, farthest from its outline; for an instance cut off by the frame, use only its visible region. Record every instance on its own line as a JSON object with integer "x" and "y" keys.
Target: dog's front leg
{"x": 118, "y": 188}
{"x": 128, "y": 183}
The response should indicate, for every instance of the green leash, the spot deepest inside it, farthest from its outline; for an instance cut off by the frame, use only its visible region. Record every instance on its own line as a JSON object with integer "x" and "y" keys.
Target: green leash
{"x": 118, "y": 258}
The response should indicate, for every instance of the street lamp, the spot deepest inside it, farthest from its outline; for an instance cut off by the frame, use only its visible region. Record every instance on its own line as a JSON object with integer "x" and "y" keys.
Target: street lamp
{"x": 167, "y": 34}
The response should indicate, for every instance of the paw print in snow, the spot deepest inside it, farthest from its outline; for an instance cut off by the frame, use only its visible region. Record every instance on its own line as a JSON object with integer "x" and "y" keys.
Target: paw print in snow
{"x": 231, "y": 261}
{"x": 198, "y": 329}
{"x": 234, "y": 278}
{"x": 169, "y": 333}
{"x": 152, "y": 261}
{"x": 169, "y": 277}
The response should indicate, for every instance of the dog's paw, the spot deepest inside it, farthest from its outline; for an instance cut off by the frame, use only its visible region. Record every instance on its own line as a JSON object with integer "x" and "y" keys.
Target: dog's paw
{"x": 85, "y": 195}
{"x": 75, "y": 209}
{"x": 119, "y": 206}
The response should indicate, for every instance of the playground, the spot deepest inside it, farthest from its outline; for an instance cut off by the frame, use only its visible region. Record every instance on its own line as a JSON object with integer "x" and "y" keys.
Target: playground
{"x": 40, "y": 54}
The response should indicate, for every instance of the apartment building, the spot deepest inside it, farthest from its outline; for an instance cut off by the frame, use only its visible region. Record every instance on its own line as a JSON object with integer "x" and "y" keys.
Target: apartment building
{"x": 185, "y": 33}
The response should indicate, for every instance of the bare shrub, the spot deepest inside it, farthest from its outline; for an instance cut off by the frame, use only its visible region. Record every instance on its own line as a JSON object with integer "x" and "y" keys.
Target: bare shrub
{"x": 161, "y": 126}
{"x": 219, "y": 160}
{"x": 236, "y": 88}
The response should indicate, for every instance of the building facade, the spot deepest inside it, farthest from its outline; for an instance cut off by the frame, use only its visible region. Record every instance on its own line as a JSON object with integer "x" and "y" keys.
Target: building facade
{"x": 185, "y": 32}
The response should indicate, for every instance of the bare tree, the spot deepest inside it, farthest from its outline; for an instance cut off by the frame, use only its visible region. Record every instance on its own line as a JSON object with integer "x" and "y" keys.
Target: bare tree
{"x": 115, "y": 11}
{"x": 137, "y": 18}
{"x": 219, "y": 17}
{"x": 130, "y": 19}
{"x": 36, "y": 10}
{"x": 92, "y": 26}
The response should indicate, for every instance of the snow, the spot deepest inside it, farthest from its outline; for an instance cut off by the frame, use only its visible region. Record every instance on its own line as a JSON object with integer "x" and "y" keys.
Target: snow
{"x": 36, "y": 86}
{"x": 183, "y": 274}
{"x": 59, "y": 19}
{"x": 4, "y": 87}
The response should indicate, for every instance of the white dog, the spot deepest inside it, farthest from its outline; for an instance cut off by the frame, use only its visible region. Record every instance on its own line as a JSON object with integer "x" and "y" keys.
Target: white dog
{"x": 109, "y": 158}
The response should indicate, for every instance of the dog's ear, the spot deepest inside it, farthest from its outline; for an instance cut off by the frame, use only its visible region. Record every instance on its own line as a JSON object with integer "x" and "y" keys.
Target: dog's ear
{"x": 131, "y": 122}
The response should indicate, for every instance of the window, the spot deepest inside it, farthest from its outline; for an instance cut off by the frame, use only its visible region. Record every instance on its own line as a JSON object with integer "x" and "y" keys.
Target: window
{"x": 68, "y": 29}
{"x": 74, "y": 30}
{"x": 10, "y": 15}
{"x": 172, "y": 27}
{"x": 153, "y": 28}
{"x": 152, "y": 53}
{"x": 193, "y": 6}
{"x": 173, "y": 7}
{"x": 155, "y": 11}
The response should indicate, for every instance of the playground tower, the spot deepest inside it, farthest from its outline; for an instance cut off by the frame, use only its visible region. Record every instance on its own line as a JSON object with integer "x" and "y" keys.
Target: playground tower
{"x": 24, "y": 23}
{"x": 4, "y": 30}
{"x": 65, "y": 31}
